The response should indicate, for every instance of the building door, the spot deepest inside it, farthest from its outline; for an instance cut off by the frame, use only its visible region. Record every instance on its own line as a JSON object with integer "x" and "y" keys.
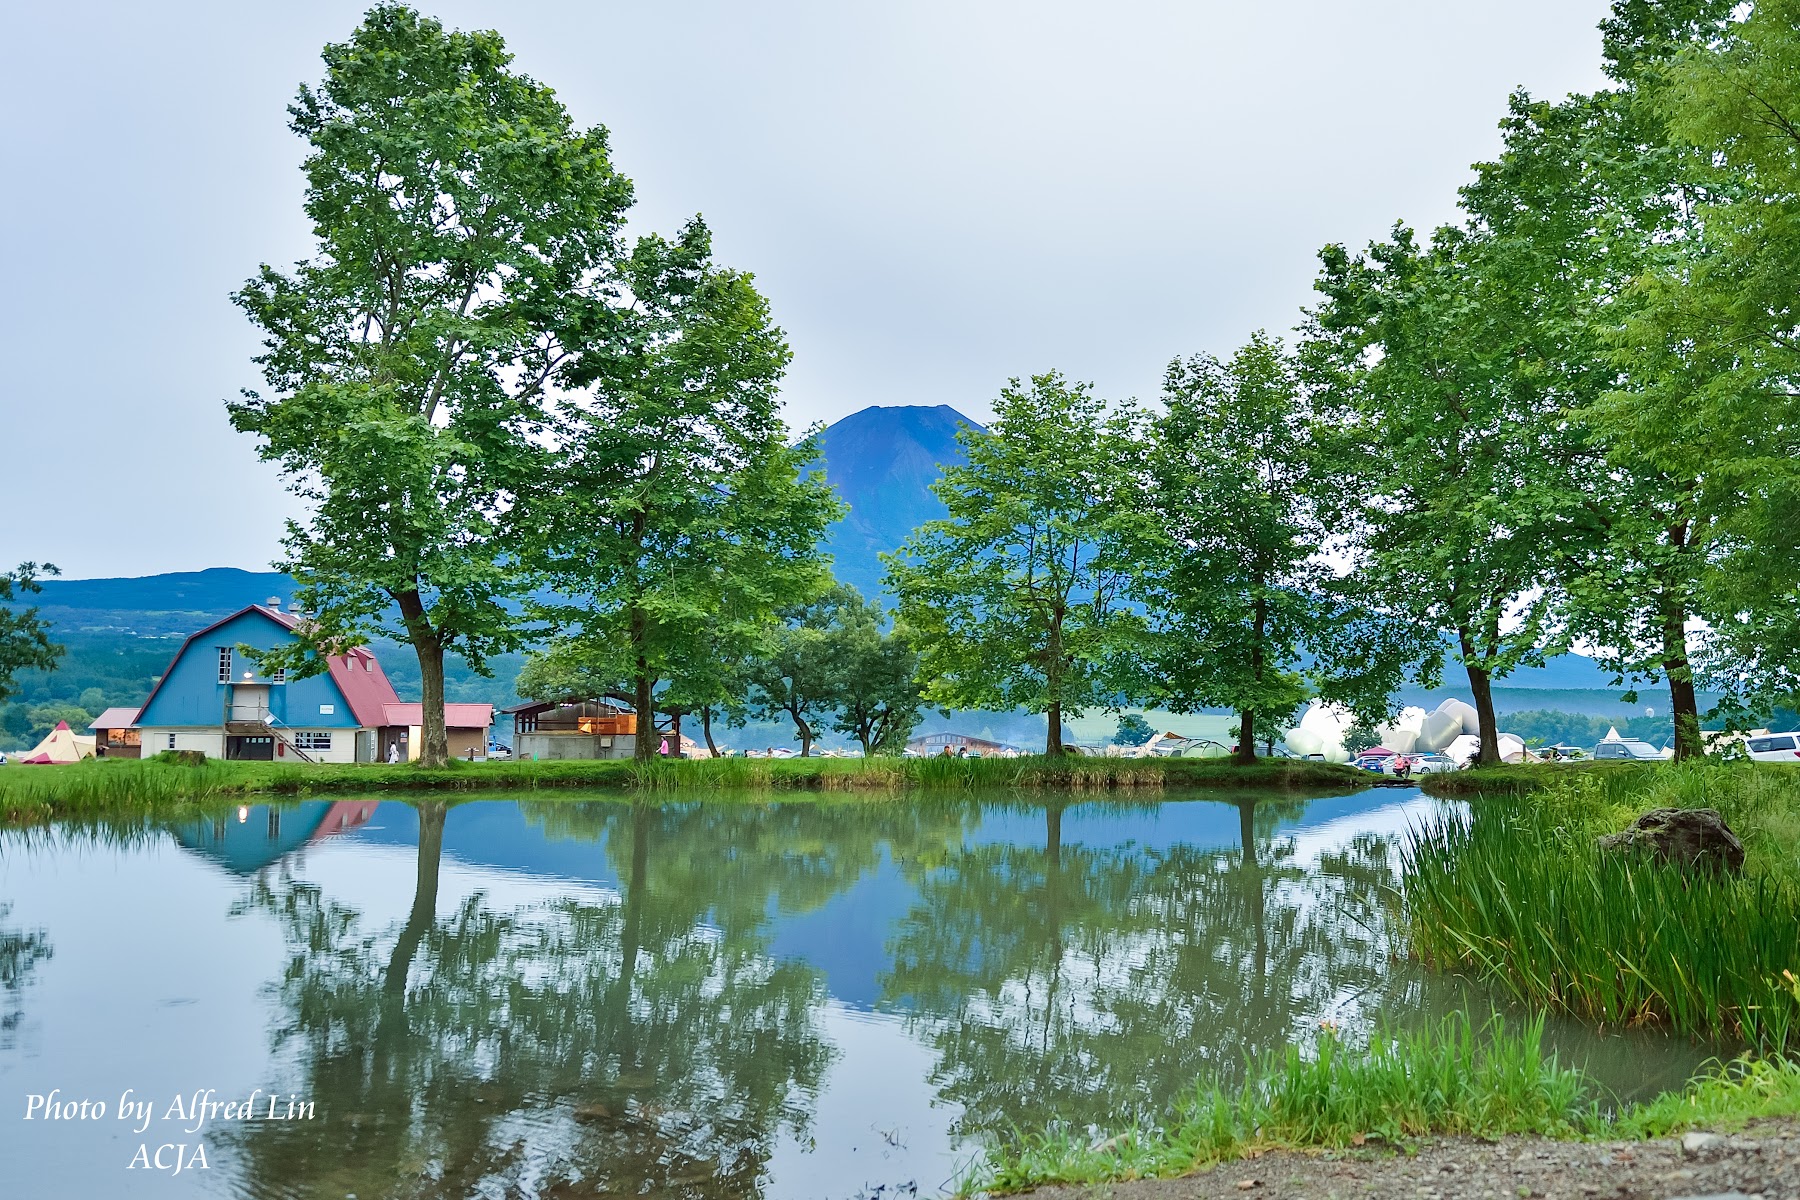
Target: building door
{"x": 256, "y": 748}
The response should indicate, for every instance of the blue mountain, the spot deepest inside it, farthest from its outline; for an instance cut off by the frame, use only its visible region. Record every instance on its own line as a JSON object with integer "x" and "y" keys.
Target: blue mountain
{"x": 883, "y": 461}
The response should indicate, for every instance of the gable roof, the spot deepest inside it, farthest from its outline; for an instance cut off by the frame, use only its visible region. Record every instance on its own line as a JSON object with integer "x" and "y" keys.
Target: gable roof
{"x": 358, "y": 675}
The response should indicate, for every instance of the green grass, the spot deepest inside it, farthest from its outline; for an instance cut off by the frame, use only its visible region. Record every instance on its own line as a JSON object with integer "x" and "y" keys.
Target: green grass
{"x": 30, "y": 794}
{"x": 1444, "y": 1080}
{"x": 1518, "y": 891}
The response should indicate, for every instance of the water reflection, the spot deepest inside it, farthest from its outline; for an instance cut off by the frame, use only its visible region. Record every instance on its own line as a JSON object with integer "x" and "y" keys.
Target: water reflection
{"x": 572, "y": 997}
{"x": 20, "y": 952}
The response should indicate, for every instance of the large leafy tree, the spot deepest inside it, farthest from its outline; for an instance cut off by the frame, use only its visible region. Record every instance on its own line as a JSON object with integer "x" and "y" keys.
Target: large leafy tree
{"x": 1714, "y": 327}
{"x": 457, "y": 213}
{"x": 1234, "y": 581}
{"x": 1016, "y": 599}
{"x": 25, "y": 643}
{"x": 1449, "y": 450}
{"x": 1588, "y": 198}
{"x": 675, "y": 517}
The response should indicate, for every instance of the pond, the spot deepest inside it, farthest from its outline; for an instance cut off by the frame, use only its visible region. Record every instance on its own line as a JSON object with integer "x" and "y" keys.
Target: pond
{"x": 578, "y": 997}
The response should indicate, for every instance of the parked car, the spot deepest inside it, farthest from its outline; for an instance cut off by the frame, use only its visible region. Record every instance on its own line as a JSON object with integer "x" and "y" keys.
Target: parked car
{"x": 1431, "y": 764}
{"x": 1777, "y": 747}
{"x": 1371, "y": 762}
{"x": 1627, "y": 748}
{"x": 496, "y": 750}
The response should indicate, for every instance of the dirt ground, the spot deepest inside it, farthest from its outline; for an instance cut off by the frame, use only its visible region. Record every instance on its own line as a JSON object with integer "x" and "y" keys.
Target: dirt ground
{"x": 1762, "y": 1160}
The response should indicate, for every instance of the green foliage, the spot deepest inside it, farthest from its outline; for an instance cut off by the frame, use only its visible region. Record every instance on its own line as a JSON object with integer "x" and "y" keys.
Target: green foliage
{"x": 458, "y": 215}
{"x": 877, "y": 695}
{"x": 674, "y": 518}
{"x": 1518, "y": 890}
{"x": 1133, "y": 730}
{"x": 1232, "y": 574}
{"x": 1711, "y": 330}
{"x": 24, "y": 635}
{"x": 795, "y": 676}
{"x": 1017, "y": 598}
{"x": 1446, "y": 445}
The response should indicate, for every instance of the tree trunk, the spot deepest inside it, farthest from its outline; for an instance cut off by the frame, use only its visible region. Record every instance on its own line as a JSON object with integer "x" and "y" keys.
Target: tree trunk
{"x": 428, "y": 644}
{"x": 675, "y": 734}
{"x": 644, "y": 701}
{"x": 1053, "y": 743}
{"x": 805, "y": 732}
{"x": 1481, "y": 688}
{"x": 706, "y": 729}
{"x": 1259, "y": 621}
{"x": 1684, "y": 706}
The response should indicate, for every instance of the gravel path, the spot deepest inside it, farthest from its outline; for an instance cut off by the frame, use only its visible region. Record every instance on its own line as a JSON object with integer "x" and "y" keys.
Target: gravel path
{"x": 1762, "y": 1160}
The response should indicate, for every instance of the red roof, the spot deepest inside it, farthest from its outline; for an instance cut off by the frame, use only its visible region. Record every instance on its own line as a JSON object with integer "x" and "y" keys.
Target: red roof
{"x": 365, "y": 686}
{"x": 456, "y": 716}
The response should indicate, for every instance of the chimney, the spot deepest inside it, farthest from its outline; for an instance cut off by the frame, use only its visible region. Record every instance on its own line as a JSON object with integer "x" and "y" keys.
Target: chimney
{"x": 272, "y": 602}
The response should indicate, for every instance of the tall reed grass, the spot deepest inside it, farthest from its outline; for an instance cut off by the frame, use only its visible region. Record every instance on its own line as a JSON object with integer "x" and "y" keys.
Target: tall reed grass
{"x": 1517, "y": 890}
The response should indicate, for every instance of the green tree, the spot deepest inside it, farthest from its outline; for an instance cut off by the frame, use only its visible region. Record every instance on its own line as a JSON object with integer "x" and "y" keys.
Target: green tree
{"x": 876, "y": 695}
{"x": 1713, "y": 327}
{"x": 1133, "y": 730}
{"x": 1017, "y": 598}
{"x": 1235, "y": 583}
{"x": 458, "y": 215}
{"x": 795, "y": 675}
{"x": 675, "y": 517}
{"x": 1449, "y": 444}
{"x": 25, "y": 643}
{"x": 1587, "y": 196}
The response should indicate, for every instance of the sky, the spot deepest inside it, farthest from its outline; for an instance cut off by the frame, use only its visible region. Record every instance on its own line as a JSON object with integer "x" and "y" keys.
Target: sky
{"x": 935, "y": 197}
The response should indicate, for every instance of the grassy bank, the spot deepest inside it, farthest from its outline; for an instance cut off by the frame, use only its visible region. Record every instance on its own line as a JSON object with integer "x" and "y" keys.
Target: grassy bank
{"x": 42, "y": 793}
{"x": 1518, "y": 891}
{"x": 1450, "y": 1079}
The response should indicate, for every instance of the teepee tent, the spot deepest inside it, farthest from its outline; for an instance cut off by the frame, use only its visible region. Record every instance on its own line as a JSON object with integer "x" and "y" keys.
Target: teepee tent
{"x": 60, "y": 746}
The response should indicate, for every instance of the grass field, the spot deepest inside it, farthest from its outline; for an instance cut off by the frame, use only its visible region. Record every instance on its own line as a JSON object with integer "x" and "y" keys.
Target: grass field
{"x": 1450, "y": 1079}
{"x": 30, "y": 794}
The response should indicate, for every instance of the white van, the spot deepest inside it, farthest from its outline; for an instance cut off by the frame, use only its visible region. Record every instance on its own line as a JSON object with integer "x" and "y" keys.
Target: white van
{"x": 1628, "y": 748}
{"x": 1777, "y": 747}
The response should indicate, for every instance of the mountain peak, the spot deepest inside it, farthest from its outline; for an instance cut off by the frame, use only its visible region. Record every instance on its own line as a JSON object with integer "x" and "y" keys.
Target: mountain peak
{"x": 883, "y": 460}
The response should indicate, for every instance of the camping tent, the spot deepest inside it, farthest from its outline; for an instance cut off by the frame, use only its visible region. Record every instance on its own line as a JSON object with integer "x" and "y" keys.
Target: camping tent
{"x": 60, "y": 746}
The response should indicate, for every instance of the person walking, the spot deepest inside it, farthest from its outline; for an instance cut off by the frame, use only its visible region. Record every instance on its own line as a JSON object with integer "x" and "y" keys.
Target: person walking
{"x": 393, "y": 753}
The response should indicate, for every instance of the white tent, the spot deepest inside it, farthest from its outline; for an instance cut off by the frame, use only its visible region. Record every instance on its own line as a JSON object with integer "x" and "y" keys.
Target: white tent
{"x": 60, "y": 746}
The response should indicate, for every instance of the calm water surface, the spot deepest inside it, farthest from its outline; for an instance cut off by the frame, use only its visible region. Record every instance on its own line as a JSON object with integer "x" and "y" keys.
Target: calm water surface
{"x": 585, "y": 998}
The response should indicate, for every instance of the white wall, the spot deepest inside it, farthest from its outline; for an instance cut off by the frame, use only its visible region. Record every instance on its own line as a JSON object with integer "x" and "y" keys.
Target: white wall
{"x": 343, "y": 746}
{"x": 210, "y": 742}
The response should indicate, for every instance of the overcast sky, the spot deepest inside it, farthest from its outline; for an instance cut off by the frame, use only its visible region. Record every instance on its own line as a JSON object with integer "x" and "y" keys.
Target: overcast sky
{"x": 935, "y": 196}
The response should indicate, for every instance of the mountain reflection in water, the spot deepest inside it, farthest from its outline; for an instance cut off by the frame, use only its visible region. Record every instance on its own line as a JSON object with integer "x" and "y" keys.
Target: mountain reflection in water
{"x": 694, "y": 999}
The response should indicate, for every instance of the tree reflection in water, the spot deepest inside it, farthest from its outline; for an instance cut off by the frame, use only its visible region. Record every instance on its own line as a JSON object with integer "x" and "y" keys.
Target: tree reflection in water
{"x": 1091, "y": 985}
{"x": 20, "y": 953}
{"x": 650, "y": 1046}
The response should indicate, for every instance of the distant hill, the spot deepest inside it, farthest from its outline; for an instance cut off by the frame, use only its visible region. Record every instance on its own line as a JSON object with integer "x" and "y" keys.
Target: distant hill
{"x": 883, "y": 461}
